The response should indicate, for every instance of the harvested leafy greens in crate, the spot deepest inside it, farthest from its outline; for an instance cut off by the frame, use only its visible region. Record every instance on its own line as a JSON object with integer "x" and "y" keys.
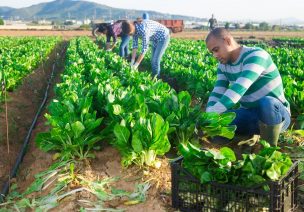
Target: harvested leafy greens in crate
{"x": 213, "y": 180}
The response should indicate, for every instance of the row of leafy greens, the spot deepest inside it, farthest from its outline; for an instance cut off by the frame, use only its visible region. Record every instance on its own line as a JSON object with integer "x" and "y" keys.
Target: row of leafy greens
{"x": 102, "y": 98}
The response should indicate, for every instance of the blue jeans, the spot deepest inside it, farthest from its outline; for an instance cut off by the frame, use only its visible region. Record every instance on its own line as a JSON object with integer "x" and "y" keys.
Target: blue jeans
{"x": 270, "y": 111}
{"x": 124, "y": 46}
{"x": 158, "y": 51}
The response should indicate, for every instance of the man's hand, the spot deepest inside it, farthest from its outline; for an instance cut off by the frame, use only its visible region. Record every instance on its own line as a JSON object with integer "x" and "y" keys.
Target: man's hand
{"x": 135, "y": 66}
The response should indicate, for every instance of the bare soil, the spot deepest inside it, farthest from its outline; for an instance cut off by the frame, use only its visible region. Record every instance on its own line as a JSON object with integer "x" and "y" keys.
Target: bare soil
{"x": 189, "y": 34}
{"x": 261, "y": 35}
{"x": 106, "y": 164}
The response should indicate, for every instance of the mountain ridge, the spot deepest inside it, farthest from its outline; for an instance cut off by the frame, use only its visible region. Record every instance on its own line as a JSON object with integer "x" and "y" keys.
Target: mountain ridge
{"x": 78, "y": 9}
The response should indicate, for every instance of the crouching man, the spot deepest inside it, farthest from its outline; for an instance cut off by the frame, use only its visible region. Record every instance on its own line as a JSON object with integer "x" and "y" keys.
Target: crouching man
{"x": 248, "y": 76}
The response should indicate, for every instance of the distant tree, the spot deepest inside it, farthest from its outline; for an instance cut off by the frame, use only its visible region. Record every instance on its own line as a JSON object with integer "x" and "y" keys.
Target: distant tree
{"x": 227, "y": 25}
{"x": 68, "y": 23}
{"x": 276, "y": 28}
{"x": 264, "y": 26}
{"x": 57, "y": 22}
{"x": 248, "y": 26}
{"x": 237, "y": 26}
{"x": 1, "y": 21}
{"x": 85, "y": 27}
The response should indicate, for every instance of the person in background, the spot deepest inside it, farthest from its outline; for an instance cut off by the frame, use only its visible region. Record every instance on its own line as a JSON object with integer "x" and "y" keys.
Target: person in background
{"x": 99, "y": 28}
{"x": 212, "y": 23}
{"x": 113, "y": 31}
{"x": 148, "y": 31}
{"x": 248, "y": 76}
{"x": 146, "y": 16}
{"x": 106, "y": 28}
{"x": 124, "y": 45}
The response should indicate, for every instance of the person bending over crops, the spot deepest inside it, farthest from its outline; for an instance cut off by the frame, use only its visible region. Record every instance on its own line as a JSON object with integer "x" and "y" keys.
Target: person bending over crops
{"x": 148, "y": 30}
{"x": 247, "y": 76}
{"x": 113, "y": 31}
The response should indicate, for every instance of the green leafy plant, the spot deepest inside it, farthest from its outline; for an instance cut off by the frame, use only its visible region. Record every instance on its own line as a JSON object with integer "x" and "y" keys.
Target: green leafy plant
{"x": 20, "y": 56}
{"x": 214, "y": 124}
{"x": 222, "y": 166}
{"x": 141, "y": 143}
{"x": 75, "y": 129}
{"x": 208, "y": 165}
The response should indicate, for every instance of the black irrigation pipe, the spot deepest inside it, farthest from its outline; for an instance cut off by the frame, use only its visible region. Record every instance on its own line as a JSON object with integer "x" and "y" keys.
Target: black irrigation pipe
{"x": 22, "y": 152}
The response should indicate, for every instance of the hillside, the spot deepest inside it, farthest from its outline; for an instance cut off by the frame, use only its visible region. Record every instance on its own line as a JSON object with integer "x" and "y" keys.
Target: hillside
{"x": 71, "y": 9}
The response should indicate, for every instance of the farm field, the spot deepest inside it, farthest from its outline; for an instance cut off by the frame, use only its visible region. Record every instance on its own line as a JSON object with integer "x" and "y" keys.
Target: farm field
{"x": 107, "y": 135}
{"x": 191, "y": 34}
{"x": 25, "y": 59}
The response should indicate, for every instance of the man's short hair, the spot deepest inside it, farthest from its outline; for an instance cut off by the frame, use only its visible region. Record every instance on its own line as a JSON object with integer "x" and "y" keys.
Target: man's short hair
{"x": 218, "y": 33}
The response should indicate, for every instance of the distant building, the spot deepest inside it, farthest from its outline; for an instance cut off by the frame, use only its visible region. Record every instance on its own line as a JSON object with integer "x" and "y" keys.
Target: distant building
{"x": 69, "y": 22}
{"x": 195, "y": 24}
{"x": 86, "y": 21}
{"x": 44, "y": 22}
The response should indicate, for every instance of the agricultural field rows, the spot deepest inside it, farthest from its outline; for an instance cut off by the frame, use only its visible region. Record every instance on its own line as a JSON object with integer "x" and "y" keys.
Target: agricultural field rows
{"x": 20, "y": 56}
{"x": 101, "y": 99}
{"x": 100, "y": 87}
{"x": 7, "y": 43}
{"x": 291, "y": 42}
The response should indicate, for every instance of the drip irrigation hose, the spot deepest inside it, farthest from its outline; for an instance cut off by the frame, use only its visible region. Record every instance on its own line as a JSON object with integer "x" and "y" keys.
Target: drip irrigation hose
{"x": 22, "y": 152}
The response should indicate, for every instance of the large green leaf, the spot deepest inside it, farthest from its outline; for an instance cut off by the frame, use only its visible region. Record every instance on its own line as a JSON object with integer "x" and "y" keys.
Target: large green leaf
{"x": 274, "y": 172}
{"x": 160, "y": 142}
{"x": 206, "y": 177}
{"x": 227, "y": 118}
{"x": 228, "y": 132}
{"x": 136, "y": 142}
{"x": 77, "y": 128}
{"x": 122, "y": 133}
{"x": 44, "y": 141}
{"x": 228, "y": 153}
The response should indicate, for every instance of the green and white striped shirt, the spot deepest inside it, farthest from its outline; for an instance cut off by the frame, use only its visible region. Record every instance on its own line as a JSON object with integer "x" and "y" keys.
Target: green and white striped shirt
{"x": 252, "y": 77}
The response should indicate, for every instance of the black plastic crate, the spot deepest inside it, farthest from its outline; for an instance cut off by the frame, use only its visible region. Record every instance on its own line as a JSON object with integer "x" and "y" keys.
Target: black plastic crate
{"x": 188, "y": 194}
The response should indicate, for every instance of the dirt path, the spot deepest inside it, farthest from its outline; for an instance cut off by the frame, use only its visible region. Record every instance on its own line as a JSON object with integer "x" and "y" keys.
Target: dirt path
{"x": 261, "y": 35}
{"x": 189, "y": 34}
{"x": 106, "y": 164}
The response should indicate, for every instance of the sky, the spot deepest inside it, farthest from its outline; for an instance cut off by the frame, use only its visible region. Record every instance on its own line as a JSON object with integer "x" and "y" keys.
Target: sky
{"x": 226, "y": 10}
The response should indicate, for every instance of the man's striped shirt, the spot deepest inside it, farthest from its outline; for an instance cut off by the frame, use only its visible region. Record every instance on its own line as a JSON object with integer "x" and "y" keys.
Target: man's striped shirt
{"x": 252, "y": 77}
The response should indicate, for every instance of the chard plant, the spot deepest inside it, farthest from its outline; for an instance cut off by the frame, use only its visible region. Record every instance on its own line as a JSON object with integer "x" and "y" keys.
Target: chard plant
{"x": 142, "y": 142}
{"x": 223, "y": 167}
